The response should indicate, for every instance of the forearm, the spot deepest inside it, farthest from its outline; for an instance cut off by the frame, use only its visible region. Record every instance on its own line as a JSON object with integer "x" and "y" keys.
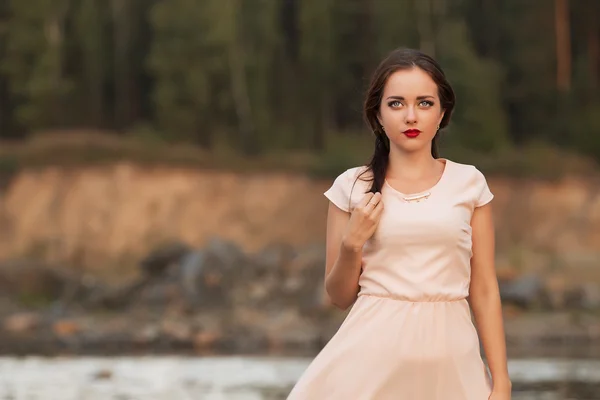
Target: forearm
{"x": 342, "y": 282}
{"x": 487, "y": 309}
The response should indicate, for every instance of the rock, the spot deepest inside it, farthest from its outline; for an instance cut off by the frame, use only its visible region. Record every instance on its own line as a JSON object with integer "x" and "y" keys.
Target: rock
{"x": 303, "y": 284}
{"x": 275, "y": 256}
{"x": 66, "y": 328}
{"x": 556, "y": 288}
{"x": 506, "y": 274}
{"x": 246, "y": 339}
{"x": 219, "y": 298}
{"x": 21, "y": 322}
{"x": 175, "y": 275}
{"x": 207, "y": 276}
{"x": 206, "y": 339}
{"x": 163, "y": 257}
{"x": 103, "y": 375}
{"x": 526, "y": 291}
{"x": 191, "y": 270}
{"x": 562, "y": 294}
{"x": 34, "y": 283}
{"x": 511, "y": 311}
{"x": 591, "y": 296}
{"x": 224, "y": 253}
{"x": 288, "y": 329}
{"x": 116, "y": 297}
{"x": 160, "y": 294}
{"x": 177, "y": 330}
{"x": 147, "y": 334}
{"x": 583, "y": 297}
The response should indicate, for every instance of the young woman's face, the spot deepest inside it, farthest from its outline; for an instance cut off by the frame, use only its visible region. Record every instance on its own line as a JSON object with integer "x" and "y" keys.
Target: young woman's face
{"x": 410, "y": 110}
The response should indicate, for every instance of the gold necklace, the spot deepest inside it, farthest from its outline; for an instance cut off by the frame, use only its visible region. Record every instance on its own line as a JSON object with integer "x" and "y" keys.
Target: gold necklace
{"x": 417, "y": 197}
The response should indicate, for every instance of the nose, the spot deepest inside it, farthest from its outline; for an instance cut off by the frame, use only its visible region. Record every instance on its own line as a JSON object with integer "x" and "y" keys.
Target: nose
{"x": 411, "y": 116}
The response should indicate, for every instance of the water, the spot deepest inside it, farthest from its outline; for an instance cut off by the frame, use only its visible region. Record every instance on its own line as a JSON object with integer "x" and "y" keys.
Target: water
{"x": 237, "y": 378}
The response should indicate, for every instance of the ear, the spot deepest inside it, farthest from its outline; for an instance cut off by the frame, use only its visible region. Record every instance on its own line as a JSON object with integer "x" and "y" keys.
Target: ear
{"x": 441, "y": 117}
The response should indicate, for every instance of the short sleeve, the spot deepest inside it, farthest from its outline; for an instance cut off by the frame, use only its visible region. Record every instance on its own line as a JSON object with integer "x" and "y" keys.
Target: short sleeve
{"x": 339, "y": 192}
{"x": 484, "y": 194}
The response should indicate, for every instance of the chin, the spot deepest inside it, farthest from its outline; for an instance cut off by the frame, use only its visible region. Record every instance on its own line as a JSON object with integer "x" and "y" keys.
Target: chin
{"x": 414, "y": 147}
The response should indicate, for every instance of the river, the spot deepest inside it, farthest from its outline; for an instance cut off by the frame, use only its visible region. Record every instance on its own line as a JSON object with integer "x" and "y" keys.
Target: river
{"x": 237, "y": 378}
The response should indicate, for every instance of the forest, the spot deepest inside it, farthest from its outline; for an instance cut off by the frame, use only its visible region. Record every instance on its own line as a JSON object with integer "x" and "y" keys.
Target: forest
{"x": 258, "y": 76}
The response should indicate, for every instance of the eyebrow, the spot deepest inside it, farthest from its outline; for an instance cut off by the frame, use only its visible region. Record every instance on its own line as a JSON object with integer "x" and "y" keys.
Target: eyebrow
{"x": 402, "y": 98}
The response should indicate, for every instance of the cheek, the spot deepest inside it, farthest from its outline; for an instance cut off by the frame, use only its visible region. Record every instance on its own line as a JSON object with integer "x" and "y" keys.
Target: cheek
{"x": 389, "y": 115}
{"x": 431, "y": 118}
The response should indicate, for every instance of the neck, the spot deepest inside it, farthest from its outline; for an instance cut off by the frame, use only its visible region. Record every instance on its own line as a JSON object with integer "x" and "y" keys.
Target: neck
{"x": 411, "y": 165}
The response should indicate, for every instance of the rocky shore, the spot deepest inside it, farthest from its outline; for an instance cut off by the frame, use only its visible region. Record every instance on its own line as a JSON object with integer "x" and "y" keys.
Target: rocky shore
{"x": 239, "y": 378}
{"x": 220, "y": 299}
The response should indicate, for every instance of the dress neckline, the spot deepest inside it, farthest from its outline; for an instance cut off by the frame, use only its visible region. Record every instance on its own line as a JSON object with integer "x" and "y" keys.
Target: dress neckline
{"x": 447, "y": 164}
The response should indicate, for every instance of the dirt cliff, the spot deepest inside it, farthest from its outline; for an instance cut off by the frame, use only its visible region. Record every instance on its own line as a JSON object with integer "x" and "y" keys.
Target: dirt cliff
{"x": 110, "y": 216}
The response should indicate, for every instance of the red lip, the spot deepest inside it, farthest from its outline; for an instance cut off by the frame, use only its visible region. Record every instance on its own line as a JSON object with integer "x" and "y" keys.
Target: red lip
{"x": 412, "y": 133}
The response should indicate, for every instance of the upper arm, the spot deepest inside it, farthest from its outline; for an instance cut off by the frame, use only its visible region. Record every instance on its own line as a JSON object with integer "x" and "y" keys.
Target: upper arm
{"x": 337, "y": 220}
{"x": 338, "y": 215}
{"x": 483, "y": 271}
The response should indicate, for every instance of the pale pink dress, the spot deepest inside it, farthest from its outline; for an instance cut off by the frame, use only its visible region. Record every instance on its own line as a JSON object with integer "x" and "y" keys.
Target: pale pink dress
{"x": 409, "y": 335}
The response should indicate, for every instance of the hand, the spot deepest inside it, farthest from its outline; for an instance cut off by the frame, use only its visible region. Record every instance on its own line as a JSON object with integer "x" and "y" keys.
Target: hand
{"x": 500, "y": 395}
{"x": 363, "y": 221}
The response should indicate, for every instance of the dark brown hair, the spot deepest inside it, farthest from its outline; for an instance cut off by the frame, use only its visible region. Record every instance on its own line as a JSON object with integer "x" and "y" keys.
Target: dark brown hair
{"x": 400, "y": 59}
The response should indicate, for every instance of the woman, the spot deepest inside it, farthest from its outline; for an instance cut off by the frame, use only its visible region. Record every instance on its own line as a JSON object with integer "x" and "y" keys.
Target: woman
{"x": 410, "y": 242}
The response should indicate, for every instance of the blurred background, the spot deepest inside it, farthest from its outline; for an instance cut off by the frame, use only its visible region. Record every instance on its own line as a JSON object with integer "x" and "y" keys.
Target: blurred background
{"x": 162, "y": 165}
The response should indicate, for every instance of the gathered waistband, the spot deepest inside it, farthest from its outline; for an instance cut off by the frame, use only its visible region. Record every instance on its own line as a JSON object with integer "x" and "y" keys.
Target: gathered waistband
{"x": 405, "y": 299}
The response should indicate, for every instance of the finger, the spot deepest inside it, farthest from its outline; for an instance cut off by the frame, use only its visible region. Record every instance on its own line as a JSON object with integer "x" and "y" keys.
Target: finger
{"x": 376, "y": 214}
{"x": 365, "y": 200}
{"x": 376, "y": 199}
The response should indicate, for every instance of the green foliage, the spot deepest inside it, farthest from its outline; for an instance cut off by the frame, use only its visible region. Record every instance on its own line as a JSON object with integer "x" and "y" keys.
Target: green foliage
{"x": 183, "y": 59}
{"x": 584, "y": 130}
{"x": 478, "y": 122}
{"x": 342, "y": 152}
{"x": 33, "y": 63}
{"x": 9, "y": 164}
{"x": 268, "y": 79}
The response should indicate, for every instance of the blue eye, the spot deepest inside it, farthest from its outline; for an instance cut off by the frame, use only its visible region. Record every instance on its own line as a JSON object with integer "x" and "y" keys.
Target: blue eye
{"x": 394, "y": 103}
{"x": 426, "y": 103}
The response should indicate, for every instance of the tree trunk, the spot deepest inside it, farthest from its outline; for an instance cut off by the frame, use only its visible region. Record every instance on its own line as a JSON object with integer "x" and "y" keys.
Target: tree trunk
{"x": 594, "y": 52}
{"x": 54, "y": 27}
{"x": 563, "y": 45}
{"x": 124, "y": 79}
{"x": 5, "y": 106}
{"x": 6, "y": 123}
{"x": 439, "y": 13}
{"x": 90, "y": 28}
{"x": 425, "y": 27}
{"x": 239, "y": 88}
